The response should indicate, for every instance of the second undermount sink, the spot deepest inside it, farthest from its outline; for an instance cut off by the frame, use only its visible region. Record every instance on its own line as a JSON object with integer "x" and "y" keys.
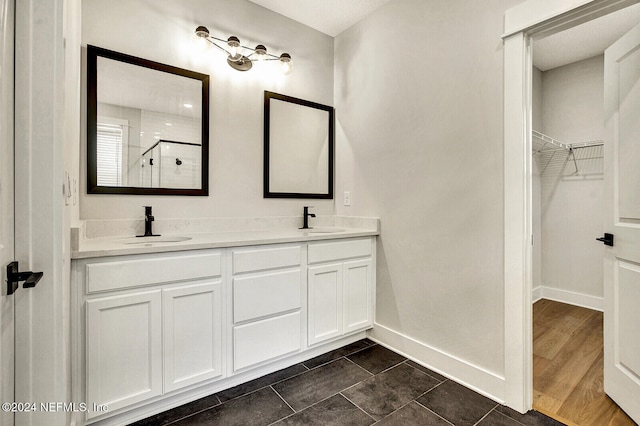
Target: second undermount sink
{"x": 312, "y": 231}
{"x": 151, "y": 240}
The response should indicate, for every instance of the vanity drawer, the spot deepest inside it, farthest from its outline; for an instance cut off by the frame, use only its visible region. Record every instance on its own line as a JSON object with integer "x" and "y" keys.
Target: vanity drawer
{"x": 336, "y": 250}
{"x": 263, "y": 259}
{"x": 263, "y": 340}
{"x": 120, "y": 274}
{"x": 266, "y": 294}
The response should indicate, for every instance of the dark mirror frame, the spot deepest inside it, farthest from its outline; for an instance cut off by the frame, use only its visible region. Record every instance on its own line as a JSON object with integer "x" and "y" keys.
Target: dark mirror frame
{"x": 267, "y": 193}
{"x": 93, "y": 53}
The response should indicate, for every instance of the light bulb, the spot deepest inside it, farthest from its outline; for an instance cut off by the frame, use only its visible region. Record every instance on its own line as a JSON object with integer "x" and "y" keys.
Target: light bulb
{"x": 200, "y": 37}
{"x": 260, "y": 52}
{"x": 286, "y": 65}
{"x": 233, "y": 43}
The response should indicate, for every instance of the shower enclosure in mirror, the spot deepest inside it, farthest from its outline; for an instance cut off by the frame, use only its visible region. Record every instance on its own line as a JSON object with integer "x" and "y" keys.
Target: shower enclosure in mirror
{"x": 298, "y": 148}
{"x": 147, "y": 126}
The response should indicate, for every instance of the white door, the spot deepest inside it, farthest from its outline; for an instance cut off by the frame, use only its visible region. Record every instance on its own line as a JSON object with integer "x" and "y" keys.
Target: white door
{"x": 622, "y": 261}
{"x": 6, "y": 207}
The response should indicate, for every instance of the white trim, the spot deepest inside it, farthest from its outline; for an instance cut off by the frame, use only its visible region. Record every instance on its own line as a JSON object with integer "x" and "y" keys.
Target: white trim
{"x": 570, "y": 297}
{"x": 518, "y": 223}
{"x": 531, "y": 17}
{"x": 536, "y": 294}
{"x": 480, "y": 380}
{"x": 551, "y": 16}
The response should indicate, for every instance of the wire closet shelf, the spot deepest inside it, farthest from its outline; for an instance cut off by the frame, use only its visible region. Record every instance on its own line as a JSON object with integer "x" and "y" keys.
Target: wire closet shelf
{"x": 567, "y": 159}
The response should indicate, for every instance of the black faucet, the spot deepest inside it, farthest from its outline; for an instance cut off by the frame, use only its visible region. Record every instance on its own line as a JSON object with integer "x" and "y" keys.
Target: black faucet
{"x": 305, "y": 217}
{"x": 148, "y": 220}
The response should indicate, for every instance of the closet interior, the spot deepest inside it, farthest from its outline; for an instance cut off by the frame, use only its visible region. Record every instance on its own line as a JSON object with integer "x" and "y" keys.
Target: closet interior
{"x": 568, "y": 214}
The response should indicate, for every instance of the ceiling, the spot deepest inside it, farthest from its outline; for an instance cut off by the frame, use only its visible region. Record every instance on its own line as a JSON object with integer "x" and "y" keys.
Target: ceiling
{"x": 582, "y": 42}
{"x": 328, "y": 16}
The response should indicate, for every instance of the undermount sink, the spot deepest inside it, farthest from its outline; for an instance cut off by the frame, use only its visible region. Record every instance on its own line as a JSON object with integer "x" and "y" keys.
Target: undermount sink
{"x": 151, "y": 240}
{"x": 312, "y": 231}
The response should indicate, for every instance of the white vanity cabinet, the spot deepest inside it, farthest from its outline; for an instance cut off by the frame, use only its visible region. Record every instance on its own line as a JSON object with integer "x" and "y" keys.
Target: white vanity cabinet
{"x": 340, "y": 288}
{"x": 267, "y": 299}
{"x": 152, "y": 325}
{"x": 152, "y": 331}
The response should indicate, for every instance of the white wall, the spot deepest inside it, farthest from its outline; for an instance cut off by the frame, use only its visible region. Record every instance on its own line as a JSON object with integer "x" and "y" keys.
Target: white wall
{"x": 418, "y": 92}
{"x": 161, "y": 31}
{"x": 572, "y": 207}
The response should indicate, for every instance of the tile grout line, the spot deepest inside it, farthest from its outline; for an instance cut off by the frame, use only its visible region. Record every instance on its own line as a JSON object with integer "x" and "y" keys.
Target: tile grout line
{"x": 486, "y": 415}
{"x": 391, "y": 413}
{"x": 360, "y": 367}
{"x": 430, "y": 410}
{"x": 406, "y": 361}
{"x": 387, "y": 369}
{"x": 343, "y": 356}
{"x": 192, "y": 413}
{"x": 420, "y": 371}
{"x": 260, "y": 388}
{"x": 314, "y": 404}
{"x": 285, "y": 401}
{"x": 509, "y": 417}
{"x": 358, "y": 407}
{"x": 383, "y": 371}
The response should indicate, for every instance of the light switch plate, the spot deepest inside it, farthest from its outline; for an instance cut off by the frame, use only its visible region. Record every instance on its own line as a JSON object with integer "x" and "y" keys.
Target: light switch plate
{"x": 347, "y": 198}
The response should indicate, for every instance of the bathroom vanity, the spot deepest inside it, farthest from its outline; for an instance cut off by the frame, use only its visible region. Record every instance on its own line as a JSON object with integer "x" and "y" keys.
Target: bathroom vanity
{"x": 158, "y": 324}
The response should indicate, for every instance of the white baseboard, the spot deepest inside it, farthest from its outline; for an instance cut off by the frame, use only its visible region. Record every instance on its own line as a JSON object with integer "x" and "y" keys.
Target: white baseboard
{"x": 536, "y": 294}
{"x": 570, "y": 297}
{"x": 480, "y": 380}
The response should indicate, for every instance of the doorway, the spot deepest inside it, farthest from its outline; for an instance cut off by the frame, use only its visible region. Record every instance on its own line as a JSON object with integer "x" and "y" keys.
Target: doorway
{"x": 7, "y": 301}
{"x": 522, "y": 23}
{"x": 568, "y": 201}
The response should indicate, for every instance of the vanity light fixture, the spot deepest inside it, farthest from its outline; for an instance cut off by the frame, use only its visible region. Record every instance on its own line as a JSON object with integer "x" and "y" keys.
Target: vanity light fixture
{"x": 240, "y": 57}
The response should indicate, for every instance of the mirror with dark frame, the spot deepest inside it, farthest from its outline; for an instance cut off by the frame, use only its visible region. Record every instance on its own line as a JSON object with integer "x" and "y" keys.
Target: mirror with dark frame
{"x": 298, "y": 148}
{"x": 147, "y": 126}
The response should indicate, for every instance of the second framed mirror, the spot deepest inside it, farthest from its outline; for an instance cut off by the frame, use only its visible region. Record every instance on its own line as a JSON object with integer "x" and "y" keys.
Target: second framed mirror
{"x": 298, "y": 148}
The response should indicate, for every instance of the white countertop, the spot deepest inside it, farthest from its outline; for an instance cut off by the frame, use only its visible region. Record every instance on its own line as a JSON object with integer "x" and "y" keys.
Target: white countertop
{"x": 118, "y": 246}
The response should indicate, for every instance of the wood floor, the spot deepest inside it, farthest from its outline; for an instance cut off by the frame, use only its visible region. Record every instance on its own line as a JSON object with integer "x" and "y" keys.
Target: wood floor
{"x": 568, "y": 366}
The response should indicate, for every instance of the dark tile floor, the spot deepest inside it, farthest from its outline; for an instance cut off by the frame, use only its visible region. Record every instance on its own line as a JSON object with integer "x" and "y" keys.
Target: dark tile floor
{"x": 360, "y": 384}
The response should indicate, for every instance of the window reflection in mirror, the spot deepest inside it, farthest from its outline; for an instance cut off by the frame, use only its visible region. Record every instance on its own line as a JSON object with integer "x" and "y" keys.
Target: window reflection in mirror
{"x": 147, "y": 126}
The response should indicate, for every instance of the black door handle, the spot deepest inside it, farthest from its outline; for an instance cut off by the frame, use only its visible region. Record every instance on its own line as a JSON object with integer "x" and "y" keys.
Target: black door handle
{"x": 14, "y": 277}
{"x": 607, "y": 239}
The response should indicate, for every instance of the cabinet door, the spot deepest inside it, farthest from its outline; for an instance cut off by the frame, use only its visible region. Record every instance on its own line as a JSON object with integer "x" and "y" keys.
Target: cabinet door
{"x": 192, "y": 334}
{"x": 358, "y": 297}
{"x": 124, "y": 349}
{"x": 325, "y": 302}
